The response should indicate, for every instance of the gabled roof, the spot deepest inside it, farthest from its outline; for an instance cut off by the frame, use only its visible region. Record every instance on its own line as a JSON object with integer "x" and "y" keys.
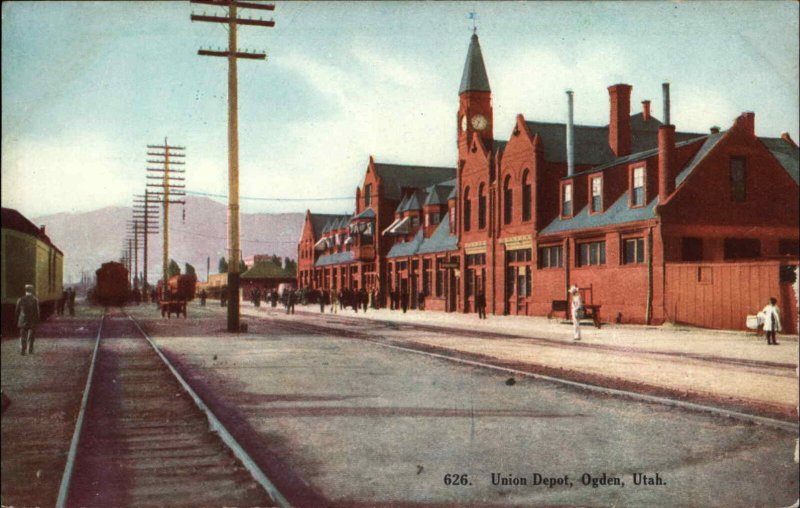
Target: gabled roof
{"x": 320, "y": 221}
{"x": 618, "y": 213}
{"x": 636, "y": 157}
{"x": 12, "y": 219}
{"x": 337, "y": 222}
{"x": 440, "y": 241}
{"x": 267, "y": 270}
{"x": 412, "y": 202}
{"x": 368, "y": 213}
{"x": 591, "y": 142}
{"x": 474, "y": 78}
{"x": 335, "y": 259}
{"x": 397, "y": 177}
{"x": 439, "y": 193}
{"x": 787, "y": 154}
{"x": 708, "y": 144}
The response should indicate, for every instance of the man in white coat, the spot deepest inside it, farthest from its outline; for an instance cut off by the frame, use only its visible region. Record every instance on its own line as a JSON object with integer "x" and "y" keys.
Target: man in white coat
{"x": 576, "y": 308}
{"x": 772, "y": 321}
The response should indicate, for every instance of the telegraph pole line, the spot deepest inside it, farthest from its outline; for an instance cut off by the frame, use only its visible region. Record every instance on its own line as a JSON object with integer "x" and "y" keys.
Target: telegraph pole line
{"x": 145, "y": 211}
{"x": 232, "y": 54}
{"x": 167, "y": 186}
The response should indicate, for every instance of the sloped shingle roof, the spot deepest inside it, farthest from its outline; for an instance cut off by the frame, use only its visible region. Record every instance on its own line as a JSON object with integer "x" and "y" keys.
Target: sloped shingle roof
{"x": 474, "y": 78}
{"x": 12, "y": 219}
{"x": 267, "y": 270}
{"x": 618, "y": 213}
{"x": 320, "y": 222}
{"x": 335, "y": 259}
{"x": 396, "y": 177}
{"x": 787, "y": 154}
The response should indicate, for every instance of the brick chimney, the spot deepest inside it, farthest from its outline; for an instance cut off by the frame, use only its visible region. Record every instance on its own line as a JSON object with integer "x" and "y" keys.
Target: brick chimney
{"x": 646, "y": 111}
{"x": 747, "y": 121}
{"x": 619, "y": 125}
{"x": 786, "y": 137}
{"x": 666, "y": 162}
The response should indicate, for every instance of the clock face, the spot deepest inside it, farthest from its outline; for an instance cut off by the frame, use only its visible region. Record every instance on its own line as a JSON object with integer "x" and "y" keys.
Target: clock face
{"x": 464, "y": 122}
{"x": 479, "y": 122}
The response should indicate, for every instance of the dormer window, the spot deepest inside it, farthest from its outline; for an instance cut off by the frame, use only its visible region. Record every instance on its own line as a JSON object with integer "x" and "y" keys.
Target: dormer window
{"x": 637, "y": 187}
{"x": 597, "y": 194}
{"x": 566, "y": 200}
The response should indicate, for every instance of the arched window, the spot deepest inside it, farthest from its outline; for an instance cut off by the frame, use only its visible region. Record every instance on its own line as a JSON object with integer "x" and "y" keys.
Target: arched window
{"x": 526, "y": 195}
{"x": 508, "y": 200}
{"x": 467, "y": 211}
{"x": 482, "y": 206}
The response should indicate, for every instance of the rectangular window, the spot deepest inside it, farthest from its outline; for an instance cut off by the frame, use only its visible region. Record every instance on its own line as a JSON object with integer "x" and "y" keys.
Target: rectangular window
{"x": 738, "y": 180}
{"x": 633, "y": 252}
{"x": 592, "y": 253}
{"x": 691, "y": 249}
{"x": 550, "y": 257}
{"x": 467, "y": 215}
{"x": 597, "y": 194}
{"x": 788, "y": 247}
{"x": 637, "y": 193}
{"x": 426, "y": 276}
{"x": 414, "y": 221}
{"x": 367, "y": 195}
{"x": 566, "y": 207}
{"x": 742, "y": 248}
{"x": 439, "y": 277}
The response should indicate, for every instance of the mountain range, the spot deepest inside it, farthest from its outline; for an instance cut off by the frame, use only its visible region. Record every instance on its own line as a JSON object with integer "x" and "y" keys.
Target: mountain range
{"x": 197, "y": 233}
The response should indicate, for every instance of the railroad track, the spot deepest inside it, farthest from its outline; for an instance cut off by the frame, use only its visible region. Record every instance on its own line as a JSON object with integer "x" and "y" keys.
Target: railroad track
{"x": 144, "y": 437}
{"x": 599, "y": 385}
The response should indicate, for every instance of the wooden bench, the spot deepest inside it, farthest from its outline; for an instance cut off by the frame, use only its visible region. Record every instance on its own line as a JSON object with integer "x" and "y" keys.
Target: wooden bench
{"x": 589, "y": 311}
{"x": 168, "y": 307}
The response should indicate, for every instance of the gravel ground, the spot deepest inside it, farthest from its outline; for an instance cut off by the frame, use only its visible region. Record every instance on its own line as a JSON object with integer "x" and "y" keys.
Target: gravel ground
{"x": 350, "y": 423}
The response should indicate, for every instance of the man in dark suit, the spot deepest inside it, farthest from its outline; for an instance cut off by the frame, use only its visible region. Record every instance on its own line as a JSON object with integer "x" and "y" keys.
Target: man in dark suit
{"x": 27, "y": 312}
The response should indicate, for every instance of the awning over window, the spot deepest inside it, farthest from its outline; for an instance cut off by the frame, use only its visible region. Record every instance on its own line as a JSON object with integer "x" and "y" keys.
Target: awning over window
{"x": 321, "y": 245}
{"x": 399, "y": 227}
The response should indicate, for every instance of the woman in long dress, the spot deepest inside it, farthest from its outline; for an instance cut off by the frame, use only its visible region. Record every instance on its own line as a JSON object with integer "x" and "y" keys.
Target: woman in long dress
{"x": 576, "y": 307}
{"x": 772, "y": 321}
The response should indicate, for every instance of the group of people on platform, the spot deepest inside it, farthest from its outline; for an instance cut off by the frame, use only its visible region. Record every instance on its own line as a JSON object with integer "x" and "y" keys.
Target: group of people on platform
{"x": 67, "y": 300}
{"x": 343, "y": 298}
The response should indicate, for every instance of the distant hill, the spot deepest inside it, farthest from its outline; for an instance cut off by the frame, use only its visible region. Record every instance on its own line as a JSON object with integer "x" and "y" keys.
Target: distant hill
{"x": 89, "y": 239}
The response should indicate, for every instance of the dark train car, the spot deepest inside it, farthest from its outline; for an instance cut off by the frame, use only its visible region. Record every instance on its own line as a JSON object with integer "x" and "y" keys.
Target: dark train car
{"x": 28, "y": 257}
{"x": 181, "y": 287}
{"x": 112, "y": 286}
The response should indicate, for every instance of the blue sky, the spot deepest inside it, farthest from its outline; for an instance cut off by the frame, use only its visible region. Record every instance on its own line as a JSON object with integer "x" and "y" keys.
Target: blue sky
{"x": 86, "y": 85}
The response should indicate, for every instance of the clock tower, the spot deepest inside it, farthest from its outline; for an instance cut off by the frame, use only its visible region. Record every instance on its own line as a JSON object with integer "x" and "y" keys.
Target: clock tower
{"x": 474, "y": 100}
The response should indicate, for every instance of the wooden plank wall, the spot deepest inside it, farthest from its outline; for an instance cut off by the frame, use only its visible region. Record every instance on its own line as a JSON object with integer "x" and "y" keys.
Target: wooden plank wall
{"x": 730, "y": 292}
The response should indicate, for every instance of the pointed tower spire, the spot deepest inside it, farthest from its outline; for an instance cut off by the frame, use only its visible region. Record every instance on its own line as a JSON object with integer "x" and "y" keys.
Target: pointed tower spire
{"x": 474, "y": 78}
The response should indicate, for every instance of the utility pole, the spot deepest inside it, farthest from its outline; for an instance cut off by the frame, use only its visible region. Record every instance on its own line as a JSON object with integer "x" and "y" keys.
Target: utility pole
{"x": 145, "y": 211}
{"x": 232, "y": 54}
{"x": 167, "y": 187}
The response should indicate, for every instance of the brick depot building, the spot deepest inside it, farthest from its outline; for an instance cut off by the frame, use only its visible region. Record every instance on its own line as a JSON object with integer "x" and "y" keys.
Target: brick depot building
{"x": 653, "y": 224}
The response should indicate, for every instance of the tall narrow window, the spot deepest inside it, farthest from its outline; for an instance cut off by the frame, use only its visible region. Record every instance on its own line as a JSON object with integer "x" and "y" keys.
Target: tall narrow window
{"x": 482, "y": 207}
{"x": 467, "y": 211}
{"x": 508, "y": 201}
{"x": 526, "y": 195}
{"x": 597, "y": 194}
{"x": 738, "y": 180}
{"x": 637, "y": 197}
{"x": 367, "y": 195}
{"x": 566, "y": 203}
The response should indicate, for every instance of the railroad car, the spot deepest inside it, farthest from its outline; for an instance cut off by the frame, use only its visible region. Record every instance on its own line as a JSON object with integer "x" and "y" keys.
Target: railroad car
{"x": 28, "y": 257}
{"x": 112, "y": 286}
{"x": 181, "y": 287}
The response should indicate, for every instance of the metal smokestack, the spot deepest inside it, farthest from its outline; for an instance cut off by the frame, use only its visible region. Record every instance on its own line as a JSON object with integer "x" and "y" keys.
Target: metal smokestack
{"x": 665, "y": 93}
{"x": 570, "y": 136}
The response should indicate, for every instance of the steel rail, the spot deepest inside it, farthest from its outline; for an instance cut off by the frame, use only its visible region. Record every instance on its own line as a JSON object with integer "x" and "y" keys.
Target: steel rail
{"x": 66, "y": 479}
{"x": 217, "y": 426}
{"x": 762, "y": 420}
